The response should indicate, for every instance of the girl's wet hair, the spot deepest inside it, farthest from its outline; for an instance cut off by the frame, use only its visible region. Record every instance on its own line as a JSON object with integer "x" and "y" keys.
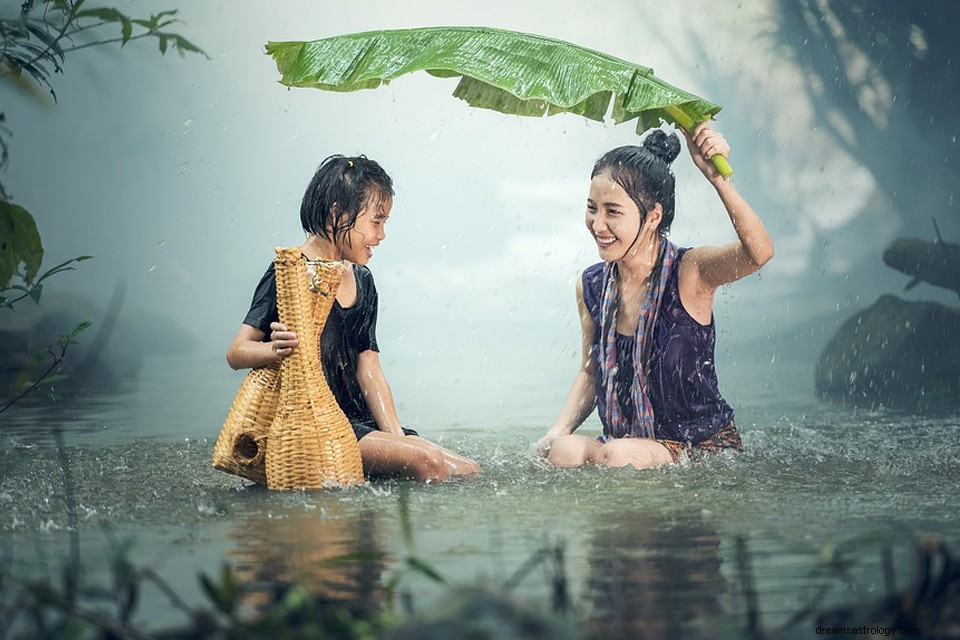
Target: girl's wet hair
{"x": 338, "y": 193}
{"x": 644, "y": 173}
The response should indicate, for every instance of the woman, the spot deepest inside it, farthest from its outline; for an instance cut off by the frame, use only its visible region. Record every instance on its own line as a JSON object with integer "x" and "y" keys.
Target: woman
{"x": 343, "y": 213}
{"x": 646, "y": 313}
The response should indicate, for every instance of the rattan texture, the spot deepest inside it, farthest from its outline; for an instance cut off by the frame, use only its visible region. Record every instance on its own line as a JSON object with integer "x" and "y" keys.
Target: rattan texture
{"x": 302, "y": 439}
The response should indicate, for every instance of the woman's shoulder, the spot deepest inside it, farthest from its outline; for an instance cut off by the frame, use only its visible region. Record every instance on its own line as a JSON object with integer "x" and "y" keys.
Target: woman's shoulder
{"x": 591, "y": 281}
{"x": 593, "y": 273}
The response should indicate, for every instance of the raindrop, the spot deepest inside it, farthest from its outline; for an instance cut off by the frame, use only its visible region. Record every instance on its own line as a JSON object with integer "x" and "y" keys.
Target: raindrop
{"x": 153, "y": 267}
{"x": 160, "y": 244}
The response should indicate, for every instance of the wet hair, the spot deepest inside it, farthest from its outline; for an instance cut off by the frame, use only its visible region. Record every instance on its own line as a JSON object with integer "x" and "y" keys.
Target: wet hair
{"x": 338, "y": 193}
{"x": 644, "y": 173}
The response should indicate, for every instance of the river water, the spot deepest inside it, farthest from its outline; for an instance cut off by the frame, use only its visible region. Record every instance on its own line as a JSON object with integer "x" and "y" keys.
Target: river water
{"x": 652, "y": 554}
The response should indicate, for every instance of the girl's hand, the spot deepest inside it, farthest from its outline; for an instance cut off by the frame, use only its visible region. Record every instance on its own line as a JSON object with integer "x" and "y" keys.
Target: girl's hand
{"x": 703, "y": 144}
{"x": 282, "y": 341}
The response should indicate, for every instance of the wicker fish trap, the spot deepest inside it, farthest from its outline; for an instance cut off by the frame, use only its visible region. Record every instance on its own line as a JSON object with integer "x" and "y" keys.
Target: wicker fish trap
{"x": 285, "y": 428}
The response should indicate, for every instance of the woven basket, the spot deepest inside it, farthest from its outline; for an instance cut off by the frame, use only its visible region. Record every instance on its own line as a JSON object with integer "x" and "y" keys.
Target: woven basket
{"x": 285, "y": 428}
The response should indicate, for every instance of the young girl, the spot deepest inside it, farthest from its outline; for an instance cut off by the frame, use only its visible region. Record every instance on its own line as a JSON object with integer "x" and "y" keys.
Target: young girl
{"x": 646, "y": 313}
{"x": 343, "y": 212}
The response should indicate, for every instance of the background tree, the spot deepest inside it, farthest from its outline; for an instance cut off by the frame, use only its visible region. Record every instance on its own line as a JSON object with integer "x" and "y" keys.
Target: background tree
{"x": 883, "y": 79}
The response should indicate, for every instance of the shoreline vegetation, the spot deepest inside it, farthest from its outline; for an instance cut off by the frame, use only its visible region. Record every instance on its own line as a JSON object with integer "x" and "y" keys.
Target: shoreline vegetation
{"x": 924, "y": 602}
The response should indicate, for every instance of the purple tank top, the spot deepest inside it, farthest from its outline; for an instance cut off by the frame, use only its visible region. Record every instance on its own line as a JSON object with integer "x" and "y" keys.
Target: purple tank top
{"x": 686, "y": 399}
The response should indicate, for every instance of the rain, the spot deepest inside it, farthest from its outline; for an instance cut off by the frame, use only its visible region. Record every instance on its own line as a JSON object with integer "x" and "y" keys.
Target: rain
{"x": 179, "y": 175}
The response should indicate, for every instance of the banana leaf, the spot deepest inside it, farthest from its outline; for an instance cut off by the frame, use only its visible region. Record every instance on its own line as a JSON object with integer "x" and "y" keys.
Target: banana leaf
{"x": 507, "y": 71}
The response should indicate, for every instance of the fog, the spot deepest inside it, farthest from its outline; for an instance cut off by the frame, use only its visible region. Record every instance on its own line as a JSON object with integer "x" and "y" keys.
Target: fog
{"x": 180, "y": 176}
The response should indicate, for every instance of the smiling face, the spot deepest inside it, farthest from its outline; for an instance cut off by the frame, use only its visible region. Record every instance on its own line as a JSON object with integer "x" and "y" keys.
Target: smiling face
{"x": 368, "y": 231}
{"x": 612, "y": 218}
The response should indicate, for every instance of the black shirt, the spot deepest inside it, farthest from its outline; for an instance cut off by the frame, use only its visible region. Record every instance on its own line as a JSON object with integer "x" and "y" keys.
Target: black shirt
{"x": 347, "y": 333}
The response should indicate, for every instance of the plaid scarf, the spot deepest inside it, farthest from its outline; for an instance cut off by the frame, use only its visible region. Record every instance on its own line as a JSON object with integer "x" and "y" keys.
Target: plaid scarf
{"x": 643, "y": 420}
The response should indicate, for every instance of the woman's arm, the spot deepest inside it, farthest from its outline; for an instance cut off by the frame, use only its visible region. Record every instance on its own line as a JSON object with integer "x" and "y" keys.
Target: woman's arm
{"x": 582, "y": 398}
{"x": 248, "y": 352}
{"x": 377, "y": 392}
{"x": 716, "y": 266}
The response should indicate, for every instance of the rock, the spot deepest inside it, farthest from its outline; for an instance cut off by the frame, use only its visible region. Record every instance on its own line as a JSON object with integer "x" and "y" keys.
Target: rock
{"x": 896, "y": 354}
{"x": 937, "y": 263}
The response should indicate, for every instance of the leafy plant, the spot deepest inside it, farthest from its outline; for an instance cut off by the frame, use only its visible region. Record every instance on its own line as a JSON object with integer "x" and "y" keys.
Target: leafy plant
{"x": 33, "y": 46}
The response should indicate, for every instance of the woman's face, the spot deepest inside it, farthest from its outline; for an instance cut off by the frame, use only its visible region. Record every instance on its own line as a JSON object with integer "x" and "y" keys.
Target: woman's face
{"x": 357, "y": 245}
{"x": 613, "y": 219}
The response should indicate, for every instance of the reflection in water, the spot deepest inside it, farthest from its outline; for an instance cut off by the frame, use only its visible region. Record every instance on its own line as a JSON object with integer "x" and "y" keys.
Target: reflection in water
{"x": 655, "y": 578}
{"x": 333, "y": 554}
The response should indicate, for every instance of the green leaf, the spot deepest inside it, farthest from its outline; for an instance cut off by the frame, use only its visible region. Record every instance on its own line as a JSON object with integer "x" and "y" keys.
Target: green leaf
{"x": 35, "y": 292}
{"x": 184, "y": 45}
{"x": 210, "y": 588}
{"x": 126, "y": 29}
{"x": 423, "y": 567}
{"x": 19, "y": 243}
{"x": 507, "y": 71}
{"x": 62, "y": 267}
{"x": 107, "y": 14}
{"x": 80, "y": 327}
{"x": 163, "y": 44}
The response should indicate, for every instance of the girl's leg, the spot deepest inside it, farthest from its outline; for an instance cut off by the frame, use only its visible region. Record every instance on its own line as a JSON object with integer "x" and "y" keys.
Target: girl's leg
{"x": 389, "y": 455}
{"x": 457, "y": 465}
{"x": 640, "y": 453}
{"x": 573, "y": 451}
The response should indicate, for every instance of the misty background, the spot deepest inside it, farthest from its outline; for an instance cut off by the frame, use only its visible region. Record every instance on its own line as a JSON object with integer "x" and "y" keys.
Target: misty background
{"x": 180, "y": 176}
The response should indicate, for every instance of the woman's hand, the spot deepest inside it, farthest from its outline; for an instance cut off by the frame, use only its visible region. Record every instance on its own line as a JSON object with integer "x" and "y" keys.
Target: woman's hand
{"x": 703, "y": 144}
{"x": 282, "y": 341}
{"x": 542, "y": 447}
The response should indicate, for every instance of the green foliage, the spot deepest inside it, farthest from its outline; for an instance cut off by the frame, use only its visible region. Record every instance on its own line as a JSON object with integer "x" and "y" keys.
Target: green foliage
{"x": 31, "y": 378}
{"x": 21, "y": 254}
{"x": 36, "y": 42}
{"x": 19, "y": 243}
{"x": 34, "y": 45}
{"x": 510, "y": 72}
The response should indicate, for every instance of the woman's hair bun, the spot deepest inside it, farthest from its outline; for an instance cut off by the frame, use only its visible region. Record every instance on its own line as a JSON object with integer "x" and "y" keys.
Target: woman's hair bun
{"x": 663, "y": 145}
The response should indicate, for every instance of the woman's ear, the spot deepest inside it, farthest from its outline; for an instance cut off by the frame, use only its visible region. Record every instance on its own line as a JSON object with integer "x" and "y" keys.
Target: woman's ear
{"x": 654, "y": 216}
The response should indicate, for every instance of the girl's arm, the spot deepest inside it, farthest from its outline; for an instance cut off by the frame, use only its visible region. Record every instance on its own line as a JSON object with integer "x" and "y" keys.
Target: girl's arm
{"x": 248, "y": 352}
{"x": 716, "y": 266}
{"x": 377, "y": 392}
{"x": 582, "y": 398}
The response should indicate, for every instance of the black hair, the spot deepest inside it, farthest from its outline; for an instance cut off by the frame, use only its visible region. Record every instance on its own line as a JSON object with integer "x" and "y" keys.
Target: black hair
{"x": 338, "y": 193}
{"x": 644, "y": 173}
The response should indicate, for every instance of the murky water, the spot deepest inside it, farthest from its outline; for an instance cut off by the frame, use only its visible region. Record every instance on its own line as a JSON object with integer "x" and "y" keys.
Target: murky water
{"x": 651, "y": 554}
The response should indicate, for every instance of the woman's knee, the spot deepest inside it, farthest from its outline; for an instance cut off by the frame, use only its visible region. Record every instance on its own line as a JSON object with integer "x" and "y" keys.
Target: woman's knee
{"x": 645, "y": 456}
{"x": 568, "y": 451}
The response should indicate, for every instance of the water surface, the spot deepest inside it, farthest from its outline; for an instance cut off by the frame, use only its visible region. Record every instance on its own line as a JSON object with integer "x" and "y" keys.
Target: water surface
{"x": 649, "y": 554}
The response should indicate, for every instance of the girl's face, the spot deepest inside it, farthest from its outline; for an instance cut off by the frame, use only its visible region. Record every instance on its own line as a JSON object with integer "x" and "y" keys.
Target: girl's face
{"x": 613, "y": 219}
{"x": 358, "y": 243}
